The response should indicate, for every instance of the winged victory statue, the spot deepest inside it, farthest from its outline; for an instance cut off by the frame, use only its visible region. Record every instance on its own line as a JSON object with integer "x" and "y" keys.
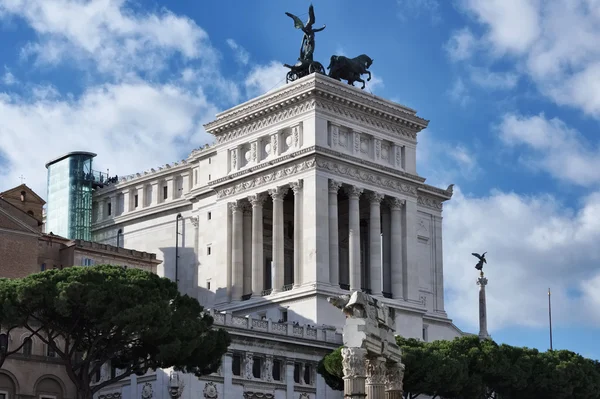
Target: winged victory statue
{"x": 479, "y": 265}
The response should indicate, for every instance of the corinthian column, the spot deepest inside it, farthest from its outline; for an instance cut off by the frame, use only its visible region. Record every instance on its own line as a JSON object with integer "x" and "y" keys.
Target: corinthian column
{"x": 297, "y": 189}
{"x": 354, "y": 236}
{"x": 257, "y": 201}
{"x": 278, "y": 194}
{"x": 237, "y": 253}
{"x": 375, "y": 382}
{"x": 393, "y": 381}
{"x": 353, "y": 364}
{"x": 375, "y": 243}
{"x": 334, "y": 244}
{"x": 396, "y": 247}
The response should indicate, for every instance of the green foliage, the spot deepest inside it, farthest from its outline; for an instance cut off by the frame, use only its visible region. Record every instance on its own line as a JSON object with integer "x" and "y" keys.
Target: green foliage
{"x": 134, "y": 319}
{"x": 467, "y": 368}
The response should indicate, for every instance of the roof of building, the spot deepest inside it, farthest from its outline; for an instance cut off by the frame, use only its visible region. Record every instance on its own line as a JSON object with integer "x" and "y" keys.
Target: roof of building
{"x": 69, "y": 154}
{"x": 16, "y": 219}
{"x": 22, "y": 187}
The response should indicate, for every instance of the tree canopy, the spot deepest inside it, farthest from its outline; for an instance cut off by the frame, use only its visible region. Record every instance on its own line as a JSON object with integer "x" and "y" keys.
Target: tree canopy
{"x": 129, "y": 318}
{"x": 467, "y": 368}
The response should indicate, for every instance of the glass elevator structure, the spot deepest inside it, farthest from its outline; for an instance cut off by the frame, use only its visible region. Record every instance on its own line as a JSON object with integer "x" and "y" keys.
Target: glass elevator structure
{"x": 71, "y": 182}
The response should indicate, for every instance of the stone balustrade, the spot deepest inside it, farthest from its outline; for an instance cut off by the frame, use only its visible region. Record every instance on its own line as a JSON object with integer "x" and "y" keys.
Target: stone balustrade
{"x": 323, "y": 334}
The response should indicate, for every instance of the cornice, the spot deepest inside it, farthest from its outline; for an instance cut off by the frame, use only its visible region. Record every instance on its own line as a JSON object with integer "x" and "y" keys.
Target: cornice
{"x": 166, "y": 206}
{"x": 271, "y": 108}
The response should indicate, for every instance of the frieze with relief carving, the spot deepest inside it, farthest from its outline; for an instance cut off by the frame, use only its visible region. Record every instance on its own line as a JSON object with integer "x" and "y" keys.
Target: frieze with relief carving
{"x": 429, "y": 202}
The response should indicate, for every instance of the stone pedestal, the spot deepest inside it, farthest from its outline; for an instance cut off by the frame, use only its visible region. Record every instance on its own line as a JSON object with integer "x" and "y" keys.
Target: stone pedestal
{"x": 375, "y": 381}
{"x": 353, "y": 362}
{"x": 483, "y": 332}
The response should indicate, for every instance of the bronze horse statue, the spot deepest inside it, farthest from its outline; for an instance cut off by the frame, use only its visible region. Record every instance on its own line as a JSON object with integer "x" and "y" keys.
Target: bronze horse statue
{"x": 350, "y": 69}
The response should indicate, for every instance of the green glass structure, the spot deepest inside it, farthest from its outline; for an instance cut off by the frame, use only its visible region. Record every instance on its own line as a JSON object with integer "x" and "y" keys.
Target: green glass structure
{"x": 71, "y": 182}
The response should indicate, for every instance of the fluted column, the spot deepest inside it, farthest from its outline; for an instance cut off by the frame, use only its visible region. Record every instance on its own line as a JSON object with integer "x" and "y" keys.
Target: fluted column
{"x": 396, "y": 247}
{"x": 334, "y": 242}
{"x": 297, "y": 189}
{"x": 257, "y": 201}
{"x": 394, "y": 381}
{"x": 237, "y": 252}
{"x": 247, "y": 248}
{"x": 354, "y": 236}
{"x": 375, "y": 382}
{"x": 375, "y": 243}
{"x": 278, "y": 194}
{"x": 353, "y": 364}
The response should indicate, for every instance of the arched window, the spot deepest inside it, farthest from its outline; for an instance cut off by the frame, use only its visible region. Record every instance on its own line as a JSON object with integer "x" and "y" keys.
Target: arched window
{"x": 23, "y": 196}
{"x": 27, "y": 346}
{"x": 30, "y": 213}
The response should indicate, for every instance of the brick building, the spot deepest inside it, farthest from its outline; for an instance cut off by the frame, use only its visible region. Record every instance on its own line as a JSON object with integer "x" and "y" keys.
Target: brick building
{"x": 35, "y": 372}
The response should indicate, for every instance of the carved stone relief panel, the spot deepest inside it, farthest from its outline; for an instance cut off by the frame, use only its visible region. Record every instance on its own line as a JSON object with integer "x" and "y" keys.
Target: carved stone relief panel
{"x": 147, "y": 391}
{"x": 423, "y": 228}
{"x": 210, "y": 391}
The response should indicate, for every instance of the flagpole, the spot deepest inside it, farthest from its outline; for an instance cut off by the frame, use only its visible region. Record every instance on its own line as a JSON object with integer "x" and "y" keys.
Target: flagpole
{"x": 550, "y": 315}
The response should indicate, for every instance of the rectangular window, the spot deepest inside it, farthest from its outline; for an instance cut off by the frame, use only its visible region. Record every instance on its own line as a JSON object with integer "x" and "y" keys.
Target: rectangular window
{"x": 277, "y": 370}
{"x": 165, "y": 192}
{"x": 208, "y": 249}
{"x": 236, "y": 365}
{"x": 256, "y": 367}
{"x": 284, "y": 316}
{"x": 3, "y": 395}
{"x": 425, "y": 333}
{"x": 209, "y": 176}
{"x": 43, "y": 267}
{"x": 135, "y": 201}
{"x": 209, "y": 160}
{"x": 27, "y": 346}
{"x": 88, "y": 262}
{"x": 109, "y": 209}
{"x": 50, "y": 351}
{"x": 113, "y": 371}
{"x": 47, "y": 397}
{"x": 297, "y": 373}
{"x": 209, "y": 215}
{"x": 208, "y": 285}
{"x": 307, "y": 372}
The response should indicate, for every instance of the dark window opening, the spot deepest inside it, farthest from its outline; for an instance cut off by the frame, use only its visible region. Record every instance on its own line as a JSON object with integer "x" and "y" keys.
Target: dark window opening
{"x": 43, "y": 267}
{"x": 165, "y": 192}
{"x": 135, "y": 201}
{"x": 236, "y": 365}
{"x": 113, "y": 371}
{"x": 277, "y": 370}
{"x": 30, "y": 213}
{"x": 97, "y": 376}
{"x": 256, "y": 367}
{"x": 208, "y": 285}
{"x": 209, "y": 216}
{"x": 297, "y": 373}
{"x": 50, "y": 351}
{"x": 208, "y": 250}
{"x": 109, "y": 207}
{"x": 307, "y": 374}
{"x": 27, "y": 345}
{"x": 209, "y": 176}
{"x": 23, "y": 196}
{"x": 284, "y": 316}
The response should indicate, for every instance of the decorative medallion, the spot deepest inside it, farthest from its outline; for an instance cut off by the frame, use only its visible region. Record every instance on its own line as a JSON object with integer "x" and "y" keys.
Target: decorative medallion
{"x": 210, "y": 390}
{"x": 147, "y": 391}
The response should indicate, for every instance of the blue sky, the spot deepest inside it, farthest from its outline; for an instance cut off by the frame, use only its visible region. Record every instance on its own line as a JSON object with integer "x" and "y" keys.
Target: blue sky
{"x": 512, "y": 89}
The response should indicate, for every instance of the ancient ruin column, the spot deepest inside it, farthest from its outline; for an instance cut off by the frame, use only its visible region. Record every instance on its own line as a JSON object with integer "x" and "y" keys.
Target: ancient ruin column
{"x": 375, "y": 243}
{"x": 394, "y": 376}
{"x": 237, "y": 252}
{"x": 353, "y": 363}
{"x": 297, "y": 189}
{"x": 396, "y": 247}
{"x": 334, "y": 243}
{"x": 354, "y": 236}
{"x": 278, "y": 194}
{"x": 375, "y": 382}
{"x": 257, "y": 201}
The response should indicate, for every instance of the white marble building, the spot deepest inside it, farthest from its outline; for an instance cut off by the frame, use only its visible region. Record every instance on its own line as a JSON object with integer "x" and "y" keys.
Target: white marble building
{"x": 308, "y": 191}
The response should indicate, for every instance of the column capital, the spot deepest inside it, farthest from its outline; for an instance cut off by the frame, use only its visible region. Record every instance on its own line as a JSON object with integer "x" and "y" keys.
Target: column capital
{"x": 375, "y": 197}
{"x": 257, "y": 199}
{"x": 394, "y": 376}
{"x": 353, "y": 191}
{"x": 376, "y": 370}
{"x": 353, "y": 362}
{"x": 246, "y": 208}
{"x": 296, "y": 186}
{"x": 334, "y": 186}
{"x": 234, "y": 206}
{"x": 278, "y": 193}
{"x": 396, "y": 203}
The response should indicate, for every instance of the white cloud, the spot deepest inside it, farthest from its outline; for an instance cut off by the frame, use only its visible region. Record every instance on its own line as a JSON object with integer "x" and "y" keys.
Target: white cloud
{"x": 493, "y": 80}
{"x": 8, "y": 78}
{"x": 461, "y": 45}
{"x": 130, "y": 126}
{"x": 459, "y": 92}
{"x": 116, "y": 40}
{"x": 264, "y": 78}
{"x": 533, "y": 242}
{"x": 557, "y": 149}
{"x": 241, "y": 55}
{"x": 554, "y": 42}
{"x": 416, "y": 8}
